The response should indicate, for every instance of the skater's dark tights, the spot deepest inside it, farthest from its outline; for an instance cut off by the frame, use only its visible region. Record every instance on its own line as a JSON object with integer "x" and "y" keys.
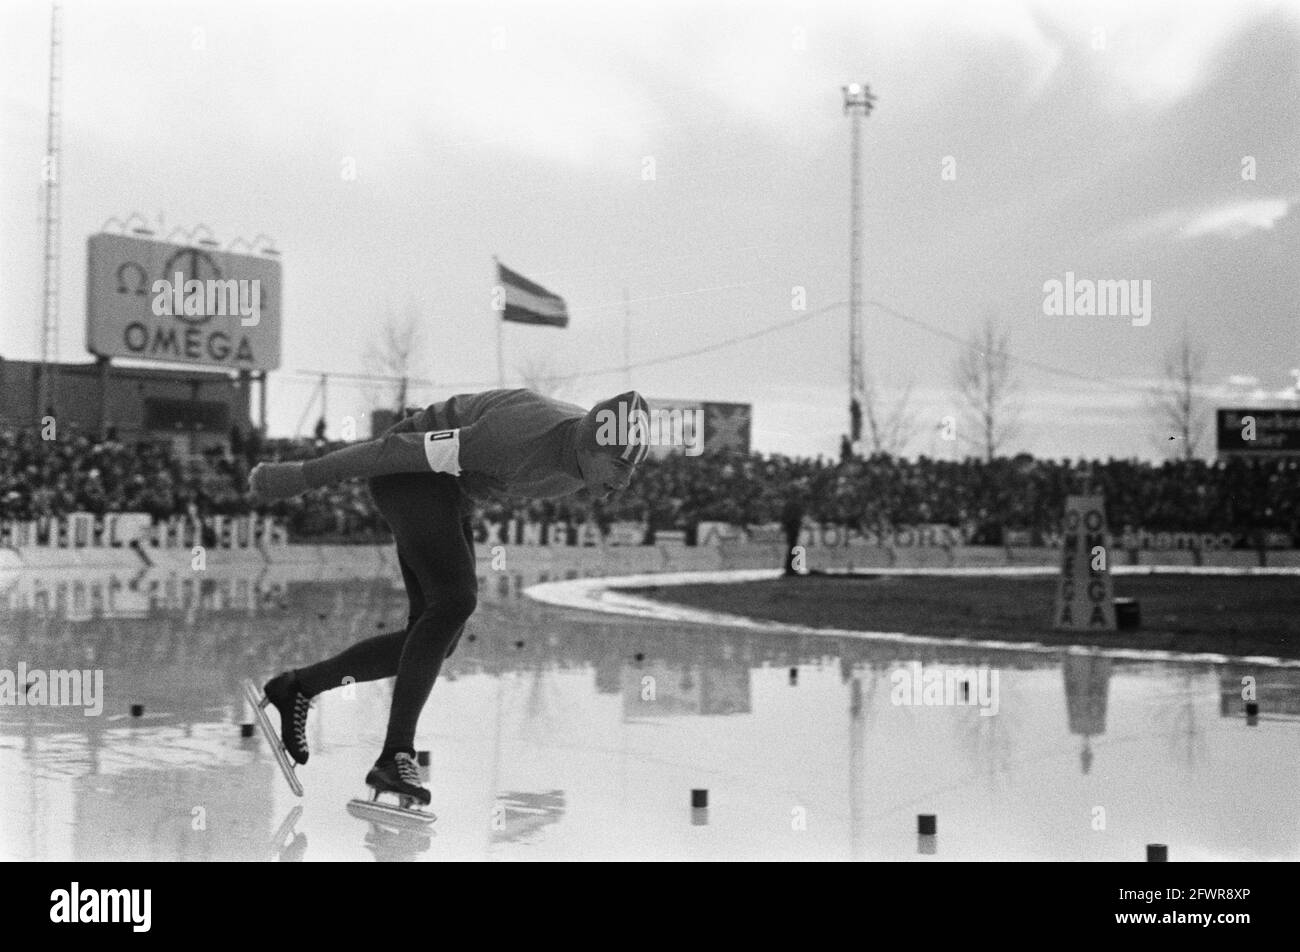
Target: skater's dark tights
{"x": 389, "y": 754}
{"x": 435, "y": 546}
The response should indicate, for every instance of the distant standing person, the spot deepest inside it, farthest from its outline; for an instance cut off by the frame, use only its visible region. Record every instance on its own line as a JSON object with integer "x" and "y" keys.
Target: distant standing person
{"x": 792, "y": 515}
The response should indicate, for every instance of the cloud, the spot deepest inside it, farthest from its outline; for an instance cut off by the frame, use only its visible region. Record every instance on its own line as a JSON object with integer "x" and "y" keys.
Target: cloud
{"x": 1242, "y": 387}
{"x": 1231, "y": 220}
{"x": 1238, "y": 219}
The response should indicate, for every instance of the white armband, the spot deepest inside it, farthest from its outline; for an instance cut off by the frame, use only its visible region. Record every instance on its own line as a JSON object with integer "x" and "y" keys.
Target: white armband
{"x": 442, "y": 450}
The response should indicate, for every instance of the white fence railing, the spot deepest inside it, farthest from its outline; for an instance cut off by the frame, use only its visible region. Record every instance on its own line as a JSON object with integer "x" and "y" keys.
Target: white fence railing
{"x": 84, "y": 530}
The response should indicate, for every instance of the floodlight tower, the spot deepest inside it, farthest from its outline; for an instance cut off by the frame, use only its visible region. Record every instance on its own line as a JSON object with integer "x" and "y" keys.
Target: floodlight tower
{"x": 858, "y": 102}
{"x": 51, "y": 173}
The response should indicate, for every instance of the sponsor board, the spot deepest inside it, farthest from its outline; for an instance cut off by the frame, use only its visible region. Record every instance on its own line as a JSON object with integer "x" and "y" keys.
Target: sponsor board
{"x": 1085, "y": 596}
{"x": 1259, "y": 432}
{"x": 833, "y": 536}
{"x": 154, "y": 300}
{"x": 692, "y": 427}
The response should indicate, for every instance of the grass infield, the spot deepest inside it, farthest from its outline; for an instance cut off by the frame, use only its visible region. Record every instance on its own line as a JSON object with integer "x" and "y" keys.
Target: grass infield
{"x": 1236, "y": 615}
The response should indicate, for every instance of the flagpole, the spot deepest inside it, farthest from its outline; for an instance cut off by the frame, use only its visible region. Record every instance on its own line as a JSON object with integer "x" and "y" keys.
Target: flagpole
{"x": 501, "y": 356}
{"x": 627, "y": 337}
{"x": 499, "y": 317}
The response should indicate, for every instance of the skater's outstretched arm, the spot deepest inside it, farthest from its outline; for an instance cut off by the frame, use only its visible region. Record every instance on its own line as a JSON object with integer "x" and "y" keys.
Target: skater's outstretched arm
{"x": 436, "y": 451}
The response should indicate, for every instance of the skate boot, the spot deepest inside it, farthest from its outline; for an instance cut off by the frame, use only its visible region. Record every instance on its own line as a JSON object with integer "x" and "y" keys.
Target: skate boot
{"x": 399, "y": 778}
{"x": 282, "y": 691}
{"x": 258, "y": 701}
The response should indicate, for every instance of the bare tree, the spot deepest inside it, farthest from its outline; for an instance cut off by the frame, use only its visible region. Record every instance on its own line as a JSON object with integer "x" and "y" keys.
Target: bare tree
{"x": 890, "y": 427}
{"x": 539, "y": 375}
{"x": 986, "y": 388}
{"x": 1176, "y": 403}
{"x": 395, "y": 354}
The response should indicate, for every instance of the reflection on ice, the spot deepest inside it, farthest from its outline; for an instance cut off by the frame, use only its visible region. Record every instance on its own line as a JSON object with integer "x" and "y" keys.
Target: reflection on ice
{"x": 586, "y": 739}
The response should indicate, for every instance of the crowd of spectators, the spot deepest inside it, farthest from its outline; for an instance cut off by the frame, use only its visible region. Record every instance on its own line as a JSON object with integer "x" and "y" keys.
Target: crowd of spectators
{"x": 41, "y": 478}
{"x": 985, "y": 498}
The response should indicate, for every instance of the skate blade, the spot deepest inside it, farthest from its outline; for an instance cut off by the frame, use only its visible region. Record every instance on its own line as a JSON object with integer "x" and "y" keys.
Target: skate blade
{"x": 390, "y": 815}
{"x": 287, "y": 826}
{"x": 255, "y": 697}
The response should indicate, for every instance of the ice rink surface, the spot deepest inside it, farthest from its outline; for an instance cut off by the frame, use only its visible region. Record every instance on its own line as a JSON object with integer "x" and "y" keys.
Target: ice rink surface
{"x": 561, "y": 734}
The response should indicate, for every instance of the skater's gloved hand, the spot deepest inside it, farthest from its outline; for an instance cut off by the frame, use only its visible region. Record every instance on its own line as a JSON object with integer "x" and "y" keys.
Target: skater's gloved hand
{"x": 271, "y": 481}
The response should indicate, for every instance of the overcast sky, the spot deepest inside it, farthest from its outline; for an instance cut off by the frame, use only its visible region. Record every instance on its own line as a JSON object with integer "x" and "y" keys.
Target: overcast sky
{"x": 1107, "y": 139}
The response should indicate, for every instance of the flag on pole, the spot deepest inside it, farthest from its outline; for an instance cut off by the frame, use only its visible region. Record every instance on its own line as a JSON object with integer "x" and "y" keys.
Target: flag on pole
{"x": 528, "y": 303}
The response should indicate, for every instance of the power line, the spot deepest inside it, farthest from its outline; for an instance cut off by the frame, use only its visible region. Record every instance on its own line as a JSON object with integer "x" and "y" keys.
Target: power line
{"x": 710, "y": 348}
{"x": 731, "y": 342}
{"x": 642, "y": 263}
{"x": 1037, "y": 365}
{"x": 605, "y": 371}
{"x": 672, "y": 294}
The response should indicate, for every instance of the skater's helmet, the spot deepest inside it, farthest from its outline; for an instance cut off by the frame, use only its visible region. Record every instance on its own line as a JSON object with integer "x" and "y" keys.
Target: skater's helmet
{"x": 618, "y": 427}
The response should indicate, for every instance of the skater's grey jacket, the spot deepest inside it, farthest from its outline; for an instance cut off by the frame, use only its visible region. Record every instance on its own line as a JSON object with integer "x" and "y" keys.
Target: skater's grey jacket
{"x": 514, "y": 442}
